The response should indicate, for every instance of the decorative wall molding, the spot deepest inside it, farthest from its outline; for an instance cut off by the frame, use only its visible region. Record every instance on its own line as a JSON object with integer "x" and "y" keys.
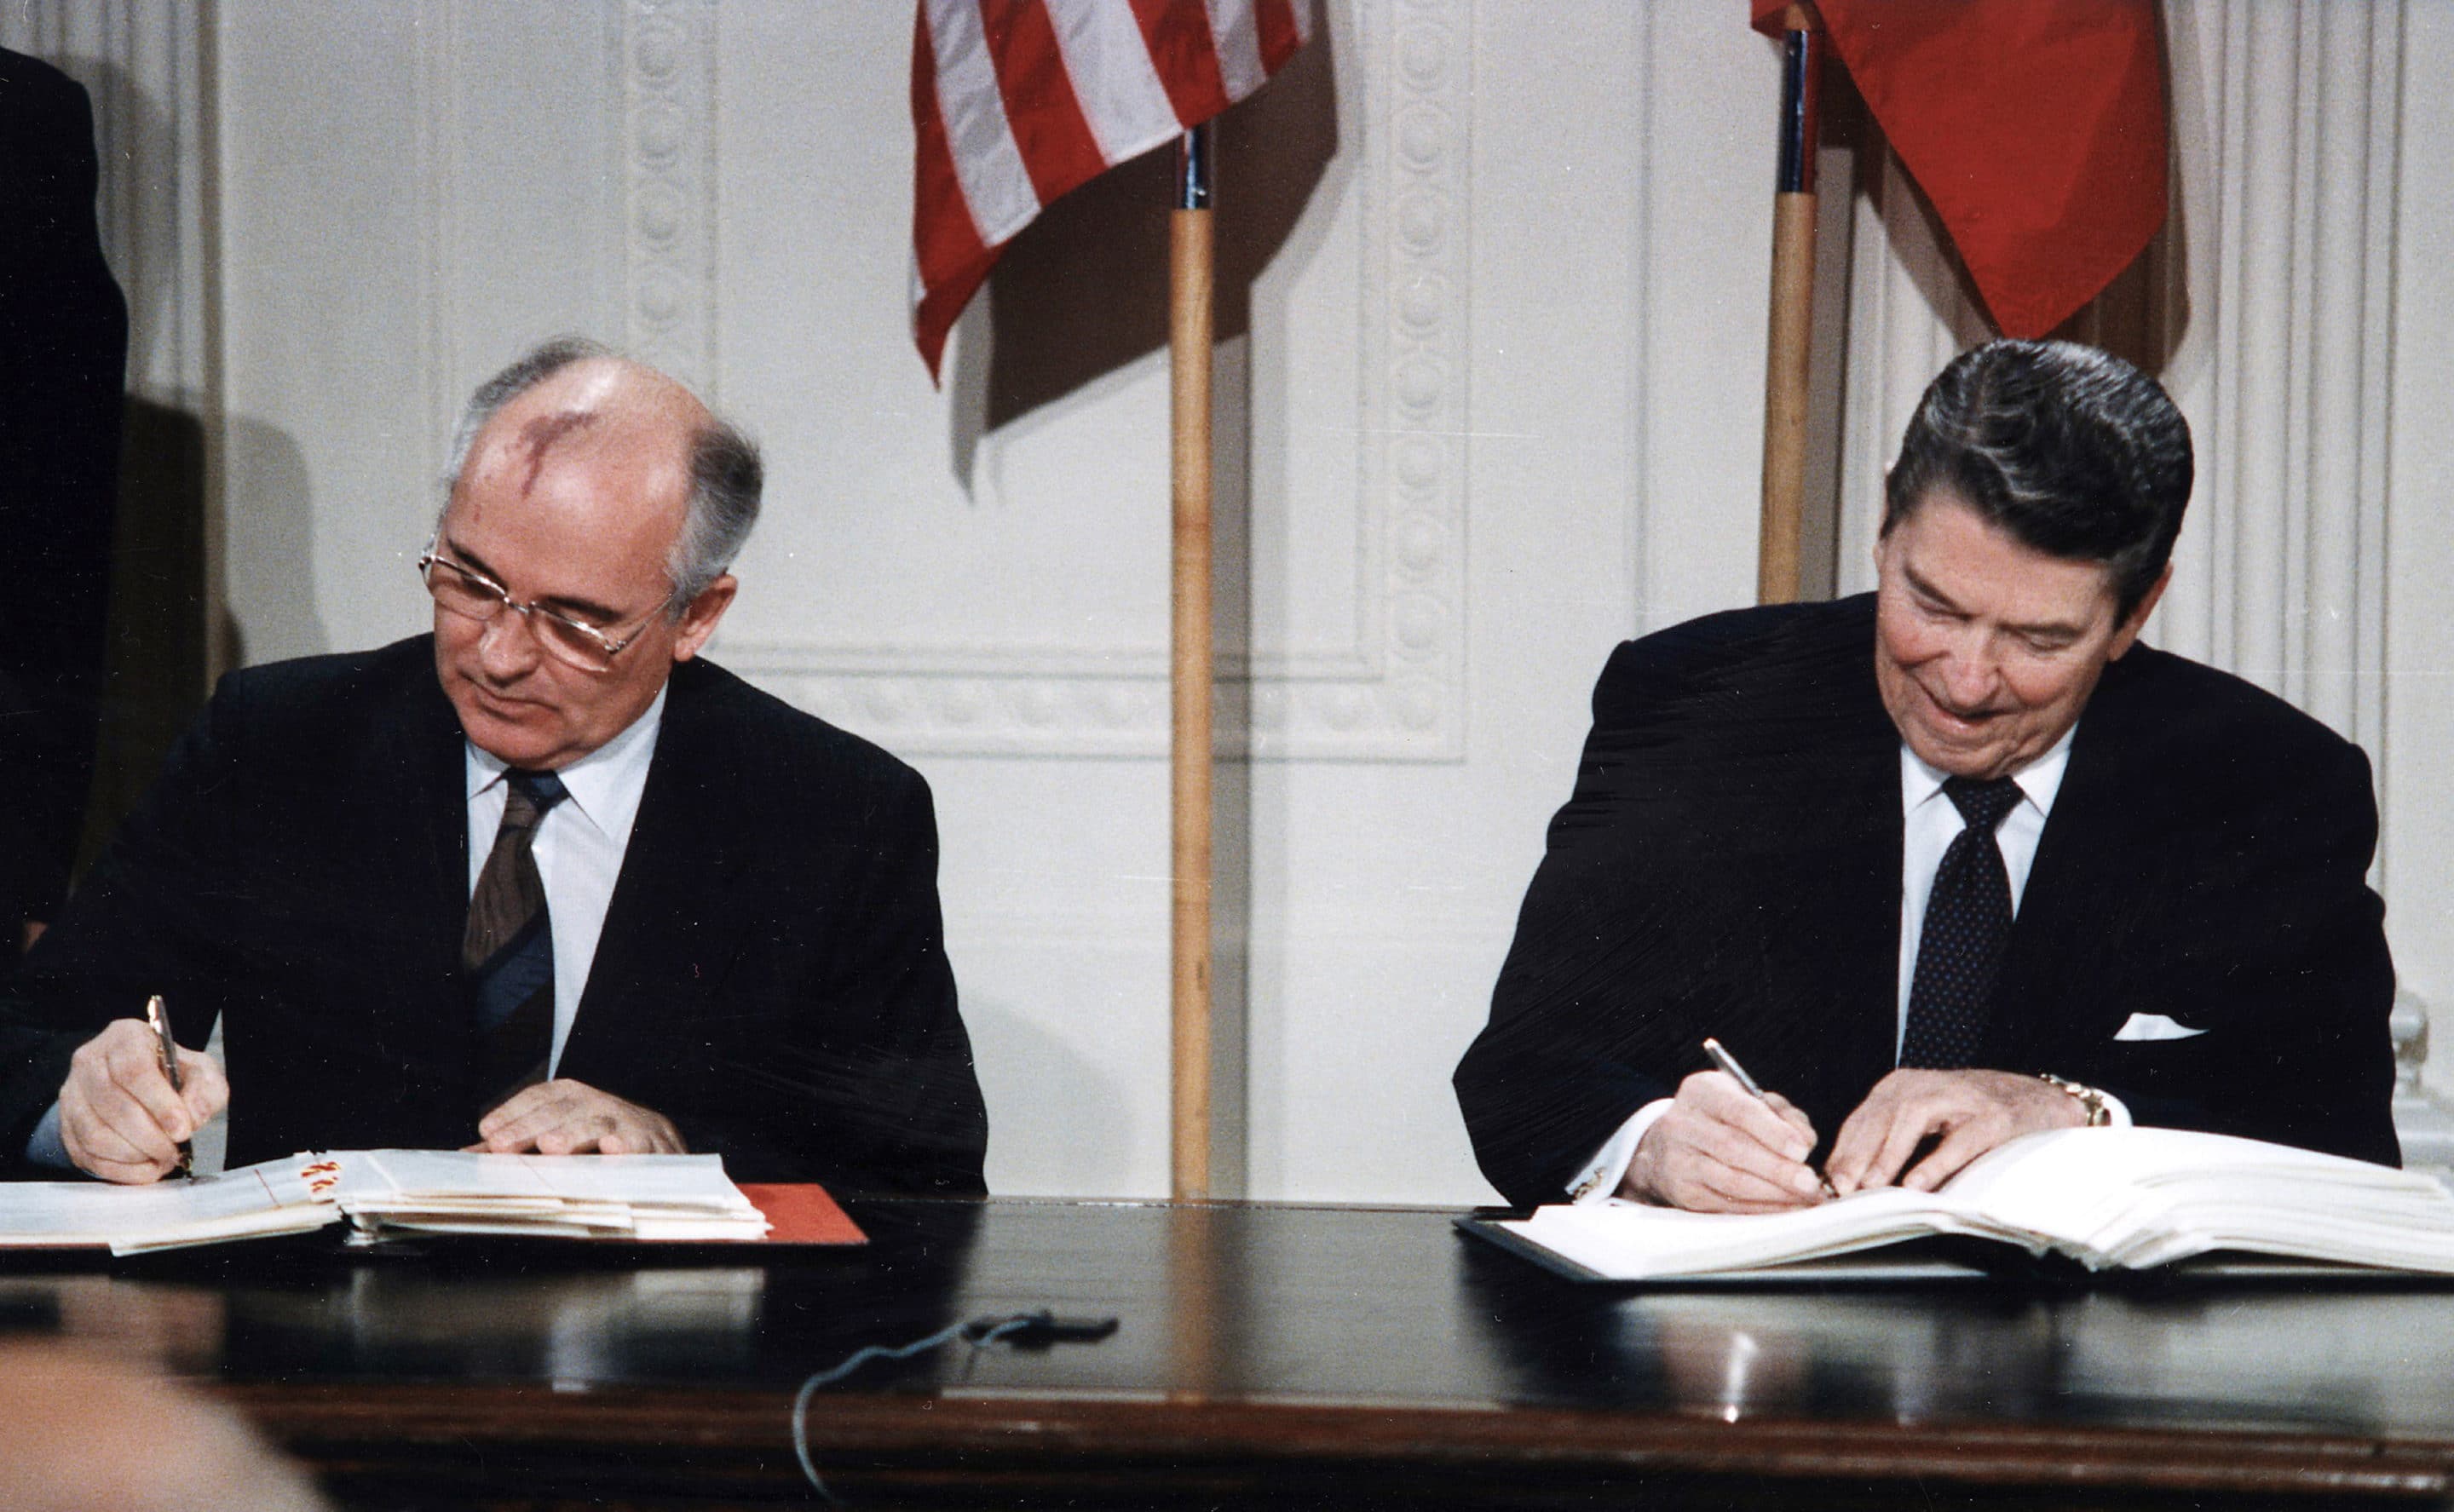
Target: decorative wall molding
{"x": 1399, "y": 693}
{"x": 670, "y": 175}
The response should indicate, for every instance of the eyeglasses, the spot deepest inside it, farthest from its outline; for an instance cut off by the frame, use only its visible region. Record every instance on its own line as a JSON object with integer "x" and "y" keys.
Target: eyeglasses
{"x": 472, "y": 594}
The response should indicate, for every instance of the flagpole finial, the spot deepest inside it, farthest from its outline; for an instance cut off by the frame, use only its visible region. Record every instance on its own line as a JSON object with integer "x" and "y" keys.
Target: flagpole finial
{"x": 1193, "y": 169}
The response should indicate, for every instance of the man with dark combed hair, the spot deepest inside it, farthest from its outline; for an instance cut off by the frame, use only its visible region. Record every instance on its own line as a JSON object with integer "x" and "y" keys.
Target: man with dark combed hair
{"x": 543, "y": 880}
{"x": 2073, "y": 450}
{"x": 1946, "y": 864}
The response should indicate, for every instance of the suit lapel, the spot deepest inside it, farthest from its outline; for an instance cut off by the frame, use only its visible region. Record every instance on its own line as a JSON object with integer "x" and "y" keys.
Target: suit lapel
{"x": 2070, "y": 900}
{"x": 443, "y": 777}
{"x": 400, "y": 804}
{"x": 666, "y": 930}
{"x": 416, "y": 875}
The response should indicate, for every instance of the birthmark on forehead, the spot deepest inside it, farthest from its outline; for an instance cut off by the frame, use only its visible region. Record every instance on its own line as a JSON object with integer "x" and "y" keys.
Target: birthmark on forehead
{"x": 539, "y": 436}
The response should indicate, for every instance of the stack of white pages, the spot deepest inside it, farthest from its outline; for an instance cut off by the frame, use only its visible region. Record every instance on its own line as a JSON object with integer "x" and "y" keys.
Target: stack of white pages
{"x": 655, "y": 1197}
{"x": 644, "y": 1197}
{"x": 278, "y": 1197}
{"x": 2108, "y": 1198}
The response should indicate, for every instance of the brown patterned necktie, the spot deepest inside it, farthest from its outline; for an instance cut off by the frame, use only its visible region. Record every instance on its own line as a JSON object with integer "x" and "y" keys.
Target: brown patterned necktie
{"x": 508, "y": 946}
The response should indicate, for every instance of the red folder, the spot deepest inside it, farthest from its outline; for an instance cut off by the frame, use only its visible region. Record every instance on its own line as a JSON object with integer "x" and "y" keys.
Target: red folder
{"x": 802, "y": 1213}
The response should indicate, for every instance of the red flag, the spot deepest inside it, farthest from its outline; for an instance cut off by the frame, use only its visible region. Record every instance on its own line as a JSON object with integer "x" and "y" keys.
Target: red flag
{"x": 1014, "y": 102}
{"x": 2035, "y": 127}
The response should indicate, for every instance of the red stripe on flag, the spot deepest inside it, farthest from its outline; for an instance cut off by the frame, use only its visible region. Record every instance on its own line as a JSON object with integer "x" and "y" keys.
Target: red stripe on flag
{"x": 951, "y": 257}
{"x": 935, "y": 316}
{"x": 1279, "y": 38}
{"x": 1181, "y": 48}
{"x": 1044, "y": 116}
{"x": 1040, "y": 110}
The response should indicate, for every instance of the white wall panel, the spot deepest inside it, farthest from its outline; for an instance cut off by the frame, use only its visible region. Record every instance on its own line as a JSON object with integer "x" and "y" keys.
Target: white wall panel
{"x": 2418, "y": 778}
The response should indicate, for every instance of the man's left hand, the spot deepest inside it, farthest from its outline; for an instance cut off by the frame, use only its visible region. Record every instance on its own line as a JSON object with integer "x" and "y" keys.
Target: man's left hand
{"x": 1965, "y": 1113}
{"x": 571, "y": 1118}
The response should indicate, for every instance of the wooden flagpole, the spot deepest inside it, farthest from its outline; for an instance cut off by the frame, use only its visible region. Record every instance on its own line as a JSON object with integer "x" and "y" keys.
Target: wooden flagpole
{"x": 1789, "y": 340}
{"x": 1188, "y": 342}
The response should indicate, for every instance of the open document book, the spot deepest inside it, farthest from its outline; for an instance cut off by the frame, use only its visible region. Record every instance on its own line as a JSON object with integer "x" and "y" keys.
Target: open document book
{"x": 2108, "y": 1198}
{"x": 619, "y": 1196}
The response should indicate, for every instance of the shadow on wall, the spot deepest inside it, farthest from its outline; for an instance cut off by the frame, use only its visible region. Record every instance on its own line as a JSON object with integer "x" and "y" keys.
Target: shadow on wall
{"x": 165, "y": 632}
{"x": 155, "y": 656}
{"x": 163, "y": 626}
{"x": 269, "y": 531}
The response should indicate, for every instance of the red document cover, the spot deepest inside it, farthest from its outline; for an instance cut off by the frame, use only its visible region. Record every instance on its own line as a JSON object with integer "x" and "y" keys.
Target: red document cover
{"x": 802, "y": 1213}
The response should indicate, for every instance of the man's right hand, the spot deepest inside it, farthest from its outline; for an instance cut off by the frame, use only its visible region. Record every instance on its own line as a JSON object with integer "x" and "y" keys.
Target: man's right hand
{"x": 118, "y": 1116}
{"x": 1718, "y": 1149}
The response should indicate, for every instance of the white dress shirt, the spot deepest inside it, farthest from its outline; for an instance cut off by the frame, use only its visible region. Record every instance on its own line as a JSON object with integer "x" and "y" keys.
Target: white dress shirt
{"x": 1929, "y": 823}
{"x": 579, "y": 848}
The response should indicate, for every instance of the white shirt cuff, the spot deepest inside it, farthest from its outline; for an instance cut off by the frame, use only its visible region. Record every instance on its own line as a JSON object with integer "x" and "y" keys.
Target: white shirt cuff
{"x": 1598, "y": 1181}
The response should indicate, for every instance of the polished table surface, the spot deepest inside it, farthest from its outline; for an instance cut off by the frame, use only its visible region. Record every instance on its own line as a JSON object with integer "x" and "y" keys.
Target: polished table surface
{"x": 1265, "y": 1355}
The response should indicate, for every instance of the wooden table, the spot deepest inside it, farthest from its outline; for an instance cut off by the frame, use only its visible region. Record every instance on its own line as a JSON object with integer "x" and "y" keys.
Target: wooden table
{"x": 1267, "y": 1356}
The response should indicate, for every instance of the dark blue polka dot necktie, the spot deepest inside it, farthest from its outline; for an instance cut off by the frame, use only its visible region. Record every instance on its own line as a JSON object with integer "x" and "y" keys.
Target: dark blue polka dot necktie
{"x": 508, "y": 946}
{"x": 1967, "y": 924}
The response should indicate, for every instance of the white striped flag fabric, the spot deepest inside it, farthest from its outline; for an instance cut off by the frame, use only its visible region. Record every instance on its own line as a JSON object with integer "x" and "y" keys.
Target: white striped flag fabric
{"x": 1014, "y": 102}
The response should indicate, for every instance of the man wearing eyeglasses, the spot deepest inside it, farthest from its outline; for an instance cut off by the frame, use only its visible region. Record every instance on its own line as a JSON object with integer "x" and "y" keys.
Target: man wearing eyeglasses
{"x": 542, "y": 881}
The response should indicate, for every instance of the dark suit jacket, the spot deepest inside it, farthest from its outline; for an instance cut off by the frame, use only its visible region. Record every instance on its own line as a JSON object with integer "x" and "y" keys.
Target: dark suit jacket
{"x": 63, "y": 355}
{"x": 772, "y": 975}
{"x": 1730, "y": 865}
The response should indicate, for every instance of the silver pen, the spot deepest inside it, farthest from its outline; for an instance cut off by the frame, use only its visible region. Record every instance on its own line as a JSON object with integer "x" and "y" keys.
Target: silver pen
{"x": 1727, "y": 1063}
{"x": 1729, "y": 1066}
{"x": 159, "y": 1022}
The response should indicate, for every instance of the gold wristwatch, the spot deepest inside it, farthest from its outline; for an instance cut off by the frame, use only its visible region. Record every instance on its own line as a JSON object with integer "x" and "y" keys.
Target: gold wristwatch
{"x": 2090, "y": 1101}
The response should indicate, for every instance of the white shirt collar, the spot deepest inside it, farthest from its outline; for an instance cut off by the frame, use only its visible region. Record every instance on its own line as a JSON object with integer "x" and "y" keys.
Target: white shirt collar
{"x": 2039, "y": 780}
{"x": 606, "y": 784}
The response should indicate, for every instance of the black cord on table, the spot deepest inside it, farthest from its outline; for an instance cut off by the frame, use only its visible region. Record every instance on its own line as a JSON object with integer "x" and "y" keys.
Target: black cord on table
{"x": 1027, "y": 1329}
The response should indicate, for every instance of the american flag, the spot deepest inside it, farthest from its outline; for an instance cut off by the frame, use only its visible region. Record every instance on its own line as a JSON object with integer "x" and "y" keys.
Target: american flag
{"x": 1014, "y": 102}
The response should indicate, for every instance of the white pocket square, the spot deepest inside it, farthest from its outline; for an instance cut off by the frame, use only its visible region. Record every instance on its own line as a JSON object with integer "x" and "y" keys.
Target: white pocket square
{"x": 2155, "y": 1026}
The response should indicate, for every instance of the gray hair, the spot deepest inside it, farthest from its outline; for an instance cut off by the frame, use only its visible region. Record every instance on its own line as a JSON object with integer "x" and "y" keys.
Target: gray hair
{"x": 727, "y": 477}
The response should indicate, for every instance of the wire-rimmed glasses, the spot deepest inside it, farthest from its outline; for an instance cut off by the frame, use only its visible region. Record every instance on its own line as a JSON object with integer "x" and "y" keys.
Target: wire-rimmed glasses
{"x": 472, "y": 594}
